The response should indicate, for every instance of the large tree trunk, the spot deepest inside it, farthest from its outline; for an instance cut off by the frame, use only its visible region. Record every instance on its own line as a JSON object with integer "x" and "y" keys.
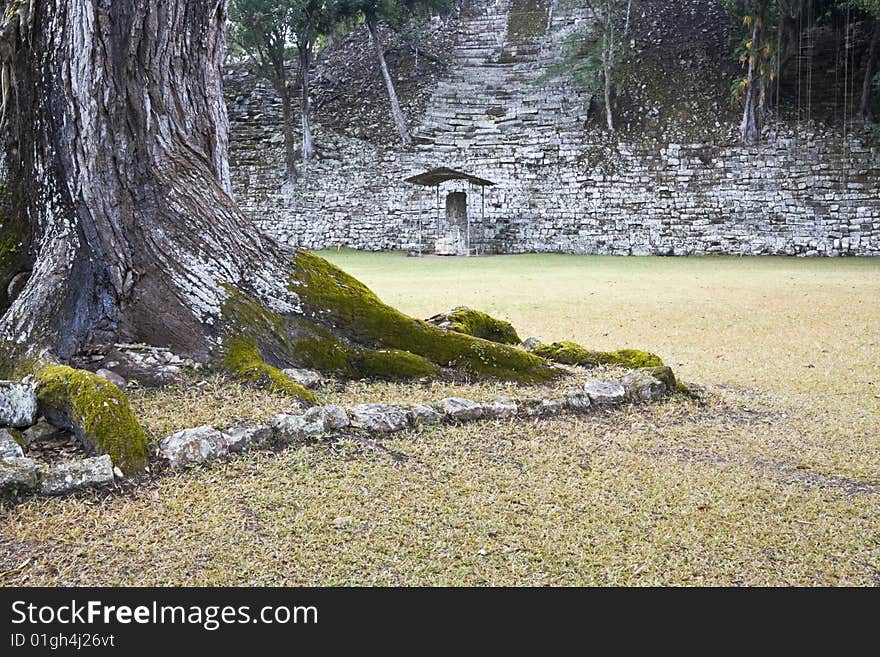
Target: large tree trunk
{"x": 115, "y": 148}
{"x": 396, "y": 112}
{"x": 305, "y": 61}
{"x": 865, "y": 112}
{"x": 115, "y": 151}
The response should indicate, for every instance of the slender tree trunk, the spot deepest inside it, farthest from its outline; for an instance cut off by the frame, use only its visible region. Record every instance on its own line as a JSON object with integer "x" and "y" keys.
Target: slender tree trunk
{"x": 308, "y": 149}
{"x": 287, "y": 130}
{"x": 870, "y": 69}
{"x": 396, "y": 112}
{"x": 608, "y": 68}
{"x": 749, "y": 129}
{"x": 283, "y": 91}
{"x": 608, "y": 75}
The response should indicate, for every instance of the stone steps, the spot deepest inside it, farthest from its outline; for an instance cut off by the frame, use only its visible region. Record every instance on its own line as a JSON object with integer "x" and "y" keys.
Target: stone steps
{"x": 489, "y": 98}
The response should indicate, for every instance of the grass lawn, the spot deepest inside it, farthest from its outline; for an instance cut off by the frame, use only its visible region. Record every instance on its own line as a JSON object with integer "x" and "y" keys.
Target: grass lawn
{"x": 774, "y": 480}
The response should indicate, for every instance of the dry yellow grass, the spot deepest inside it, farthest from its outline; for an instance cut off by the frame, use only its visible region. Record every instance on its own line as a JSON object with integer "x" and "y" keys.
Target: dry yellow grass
{"x": 776, "y": 480}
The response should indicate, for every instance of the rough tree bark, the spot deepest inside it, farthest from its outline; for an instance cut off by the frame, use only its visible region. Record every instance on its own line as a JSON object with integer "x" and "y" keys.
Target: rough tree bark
{"x": 396, "y": 112}
{"x": 115, "y": 150}
{"x": 865, "y": 112}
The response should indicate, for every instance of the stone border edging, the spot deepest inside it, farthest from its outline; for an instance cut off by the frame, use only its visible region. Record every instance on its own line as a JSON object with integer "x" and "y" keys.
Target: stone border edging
{"x": 202, "y": 444}
{"x": 205, "y": 443}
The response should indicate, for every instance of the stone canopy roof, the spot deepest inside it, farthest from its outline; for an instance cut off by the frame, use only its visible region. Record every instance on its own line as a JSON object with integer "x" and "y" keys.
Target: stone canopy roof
{"x": 436, "y": 176}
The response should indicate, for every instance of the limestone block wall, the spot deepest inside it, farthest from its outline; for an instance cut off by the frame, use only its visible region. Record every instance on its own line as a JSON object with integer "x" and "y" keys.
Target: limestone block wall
{"x": 559, "y": 188}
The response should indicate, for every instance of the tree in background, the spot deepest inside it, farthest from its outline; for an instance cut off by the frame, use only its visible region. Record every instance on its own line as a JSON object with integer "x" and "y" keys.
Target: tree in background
{"x": 610, "y": 14}
{"x": 756, "y": 54}
{"x": 394, "y": 13}
{"x": 871, "y": 9}
{"x": 263, "y": 30}
{"x": 592, "y": 53}
{"x": 270, "y": 32}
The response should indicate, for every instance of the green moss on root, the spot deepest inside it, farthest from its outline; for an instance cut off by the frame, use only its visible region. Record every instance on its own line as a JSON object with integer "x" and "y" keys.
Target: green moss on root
{"x": 479, "y": 325}
{"x": 253, "y": 335}
{"x": 394, "y": 364}
{"x": 241, "y": 358}
{"x": 571, "y": 353}
{"x": 96, "y": 411}
{"x": 335, "y": 298}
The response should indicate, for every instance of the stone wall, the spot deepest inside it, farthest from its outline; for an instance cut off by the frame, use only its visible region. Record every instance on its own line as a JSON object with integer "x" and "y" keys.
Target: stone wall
{"x": 561, "y": 186}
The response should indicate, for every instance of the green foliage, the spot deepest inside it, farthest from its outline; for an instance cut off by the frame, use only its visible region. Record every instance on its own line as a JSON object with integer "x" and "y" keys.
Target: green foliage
{"x": 480, "y": 325}
{"x": 397, "y": 13}
{"x": 271, "y": 31}
{"x": 97, "y": 411}
{"x": 592, "y": 51}
{"x": 571, "y": 353}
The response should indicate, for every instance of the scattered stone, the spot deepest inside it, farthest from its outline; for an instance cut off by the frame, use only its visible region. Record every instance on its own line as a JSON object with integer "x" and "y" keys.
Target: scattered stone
{"x": 422, "y": 414}
{"x": 500, "y": 408}
{"x": 41, "y": 431}
{"x": 248, "y": 436}
{"x": 112, "y": 377}
{"x": 381, "y": 418}
{"x": 72, "y": 476}
{"x": 297, "y": 427}
{"x": 605, "y": 392}
{"x": 541, "y": 407}
{"x": 335, "y": 417}
{"x": 642, "y": 386}
{"x": 577, "y": 400}
{"x": 9, "y": 448}
{"x": 314, "y": 422}
{"x": 18, "y": 474}
{"x": 18, "y": 404}
{"x": 530, "y": 343}
{"x": 193, "y": 446}
{"x": 458, "y": 408}
{"x": 306, "y": 378}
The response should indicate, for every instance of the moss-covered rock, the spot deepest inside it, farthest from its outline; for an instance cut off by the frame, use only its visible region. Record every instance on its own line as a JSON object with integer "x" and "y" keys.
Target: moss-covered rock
{"x": 664, "y": 374}
{"x": 336, "y": 299}
{"x": 241, "y": 358}
{"x": 96, "y": 411}
{"x": 477, "y": 324}
{"x": 571, "y": 353}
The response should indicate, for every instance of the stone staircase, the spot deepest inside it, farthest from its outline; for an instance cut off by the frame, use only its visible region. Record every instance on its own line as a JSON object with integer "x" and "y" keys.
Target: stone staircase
{"x": 495, "y": 106}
